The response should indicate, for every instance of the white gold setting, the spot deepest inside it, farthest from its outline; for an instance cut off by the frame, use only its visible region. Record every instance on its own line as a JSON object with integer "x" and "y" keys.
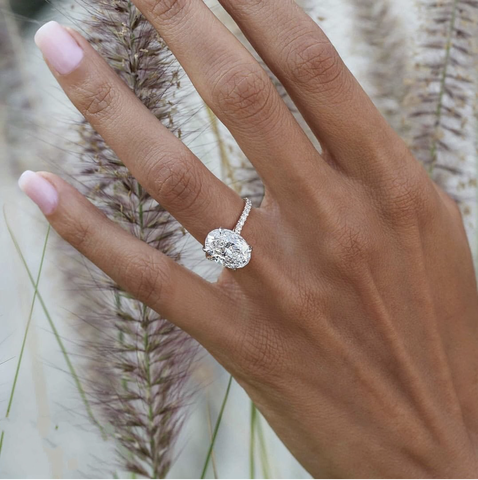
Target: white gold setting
{"x": 227, "y": 247}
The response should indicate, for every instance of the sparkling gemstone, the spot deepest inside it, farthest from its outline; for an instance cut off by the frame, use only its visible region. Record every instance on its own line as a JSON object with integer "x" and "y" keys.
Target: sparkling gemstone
{"x": 227, "y": 248}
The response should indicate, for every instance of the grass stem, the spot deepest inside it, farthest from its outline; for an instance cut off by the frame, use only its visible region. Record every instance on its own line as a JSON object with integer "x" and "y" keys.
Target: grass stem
{"x": 266, "y": 468}
{"x": 56, "y": 334}
{"x": 209, "y": 424}
{"x": 227, "y": 168}
{"x": 216, "y": 429}
{"x": 27, "y": 328}
{"x": 252, "y": 445}
{"x": 25, "y": 335}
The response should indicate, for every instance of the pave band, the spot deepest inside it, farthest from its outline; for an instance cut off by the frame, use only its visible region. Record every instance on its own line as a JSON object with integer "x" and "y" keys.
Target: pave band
{"x": 245, "y": 214}
{"x": 227, "y": 247}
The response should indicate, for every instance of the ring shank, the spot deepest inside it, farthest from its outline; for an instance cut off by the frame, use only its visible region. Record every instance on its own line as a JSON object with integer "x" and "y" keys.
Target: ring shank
{"x": 243, "y": 218}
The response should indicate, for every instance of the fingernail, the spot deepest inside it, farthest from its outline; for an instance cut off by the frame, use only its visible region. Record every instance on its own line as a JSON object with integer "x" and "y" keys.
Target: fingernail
{"x": 59, "y": 48}
{"x": 40, "y": 190}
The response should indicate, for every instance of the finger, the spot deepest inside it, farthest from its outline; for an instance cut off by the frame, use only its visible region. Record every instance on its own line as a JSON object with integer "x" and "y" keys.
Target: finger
{"x": 331, "y": 100}
{"x": 238, "y": 90}
{"x": 160, "y": 162}
{"x": 150, "y": 276}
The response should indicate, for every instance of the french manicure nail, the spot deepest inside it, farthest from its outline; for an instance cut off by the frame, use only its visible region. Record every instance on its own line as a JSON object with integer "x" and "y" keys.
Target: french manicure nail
{"x": 59, "y": 48}
{"x": 40, "y": 190}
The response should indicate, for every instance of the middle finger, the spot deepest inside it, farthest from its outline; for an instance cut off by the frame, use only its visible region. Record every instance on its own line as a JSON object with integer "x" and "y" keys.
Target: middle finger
{"x": 238, "y": 90}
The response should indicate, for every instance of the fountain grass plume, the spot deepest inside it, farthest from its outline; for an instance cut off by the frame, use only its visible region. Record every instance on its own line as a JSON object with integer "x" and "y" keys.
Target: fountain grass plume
{"x": 141, "y": 361}
{"x": 390, "y": 56}
{"x": 442, "y": 96}
{"x": 17, "y": 97}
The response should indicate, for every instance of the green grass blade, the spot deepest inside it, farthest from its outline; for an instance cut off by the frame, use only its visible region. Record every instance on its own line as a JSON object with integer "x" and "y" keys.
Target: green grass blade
{"x": 216, "y": 429}
{"x": 252, "y": 445}
{"x": 56, "y": 334}
{"x": 209, "y": 425}
{"x": 27, "y": 328}
{"x": 25, "y": 335}
{"x": 1, "y": 441}
{"x": 266, "y": 468}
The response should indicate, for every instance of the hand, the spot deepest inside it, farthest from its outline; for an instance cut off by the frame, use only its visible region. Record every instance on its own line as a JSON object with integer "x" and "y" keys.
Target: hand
{"x": 354, "y": 327}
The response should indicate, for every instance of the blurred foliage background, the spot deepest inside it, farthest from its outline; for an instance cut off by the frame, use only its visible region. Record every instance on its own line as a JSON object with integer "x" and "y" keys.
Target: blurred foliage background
{"x": 27, "y": 8}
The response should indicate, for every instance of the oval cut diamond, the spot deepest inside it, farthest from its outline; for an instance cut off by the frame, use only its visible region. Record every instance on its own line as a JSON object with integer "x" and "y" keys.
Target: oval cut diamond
{"x": 227, "y": 248}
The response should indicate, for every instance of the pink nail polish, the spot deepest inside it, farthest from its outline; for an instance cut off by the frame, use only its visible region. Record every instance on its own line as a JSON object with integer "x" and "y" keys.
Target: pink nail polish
{"x": 59, "y": 48}
{"x": 40, "y": 190}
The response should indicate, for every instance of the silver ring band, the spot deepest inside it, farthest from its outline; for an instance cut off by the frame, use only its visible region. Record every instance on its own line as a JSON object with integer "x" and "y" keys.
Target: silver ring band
{"x": 245, "y": 214}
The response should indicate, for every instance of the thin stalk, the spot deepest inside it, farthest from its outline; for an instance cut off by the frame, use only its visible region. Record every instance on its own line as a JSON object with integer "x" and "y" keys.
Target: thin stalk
{"x": 156, "y": 466}
{"x": 56, "y": 334}
{"x": 252, "y": 445}
{"x": 227, "y": 169}
{"x": 266, "y": 468}
{"x": 147, "y": 360}
{"x": 209, "y": 424}
{"x": 216, "y": 429}
{"x": 439, "y": 110}
{"x": 25, "y": 335}
{"x": 27, "y": 328}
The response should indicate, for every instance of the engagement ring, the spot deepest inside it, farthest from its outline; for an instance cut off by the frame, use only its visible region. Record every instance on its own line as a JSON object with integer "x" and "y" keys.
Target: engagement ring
{"x": 227, "y": 247}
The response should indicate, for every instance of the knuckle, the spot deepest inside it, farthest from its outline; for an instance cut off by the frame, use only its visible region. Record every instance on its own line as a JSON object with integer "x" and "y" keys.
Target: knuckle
{"x": 165, "y": 10}
{"x": 314, "y": 63}
{"x": 146, "y": 278}
{"x": 98, "y": 100}
{"x": 244, "y": 91}
{"x": 251, "y": 6}
{"x": 409, "y": 198}
{"x": 77, "y": 233}
{"x": 175, "y": 181}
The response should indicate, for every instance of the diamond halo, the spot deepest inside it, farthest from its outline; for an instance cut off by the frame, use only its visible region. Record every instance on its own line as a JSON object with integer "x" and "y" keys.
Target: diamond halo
{"x": 227, "y": 247}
